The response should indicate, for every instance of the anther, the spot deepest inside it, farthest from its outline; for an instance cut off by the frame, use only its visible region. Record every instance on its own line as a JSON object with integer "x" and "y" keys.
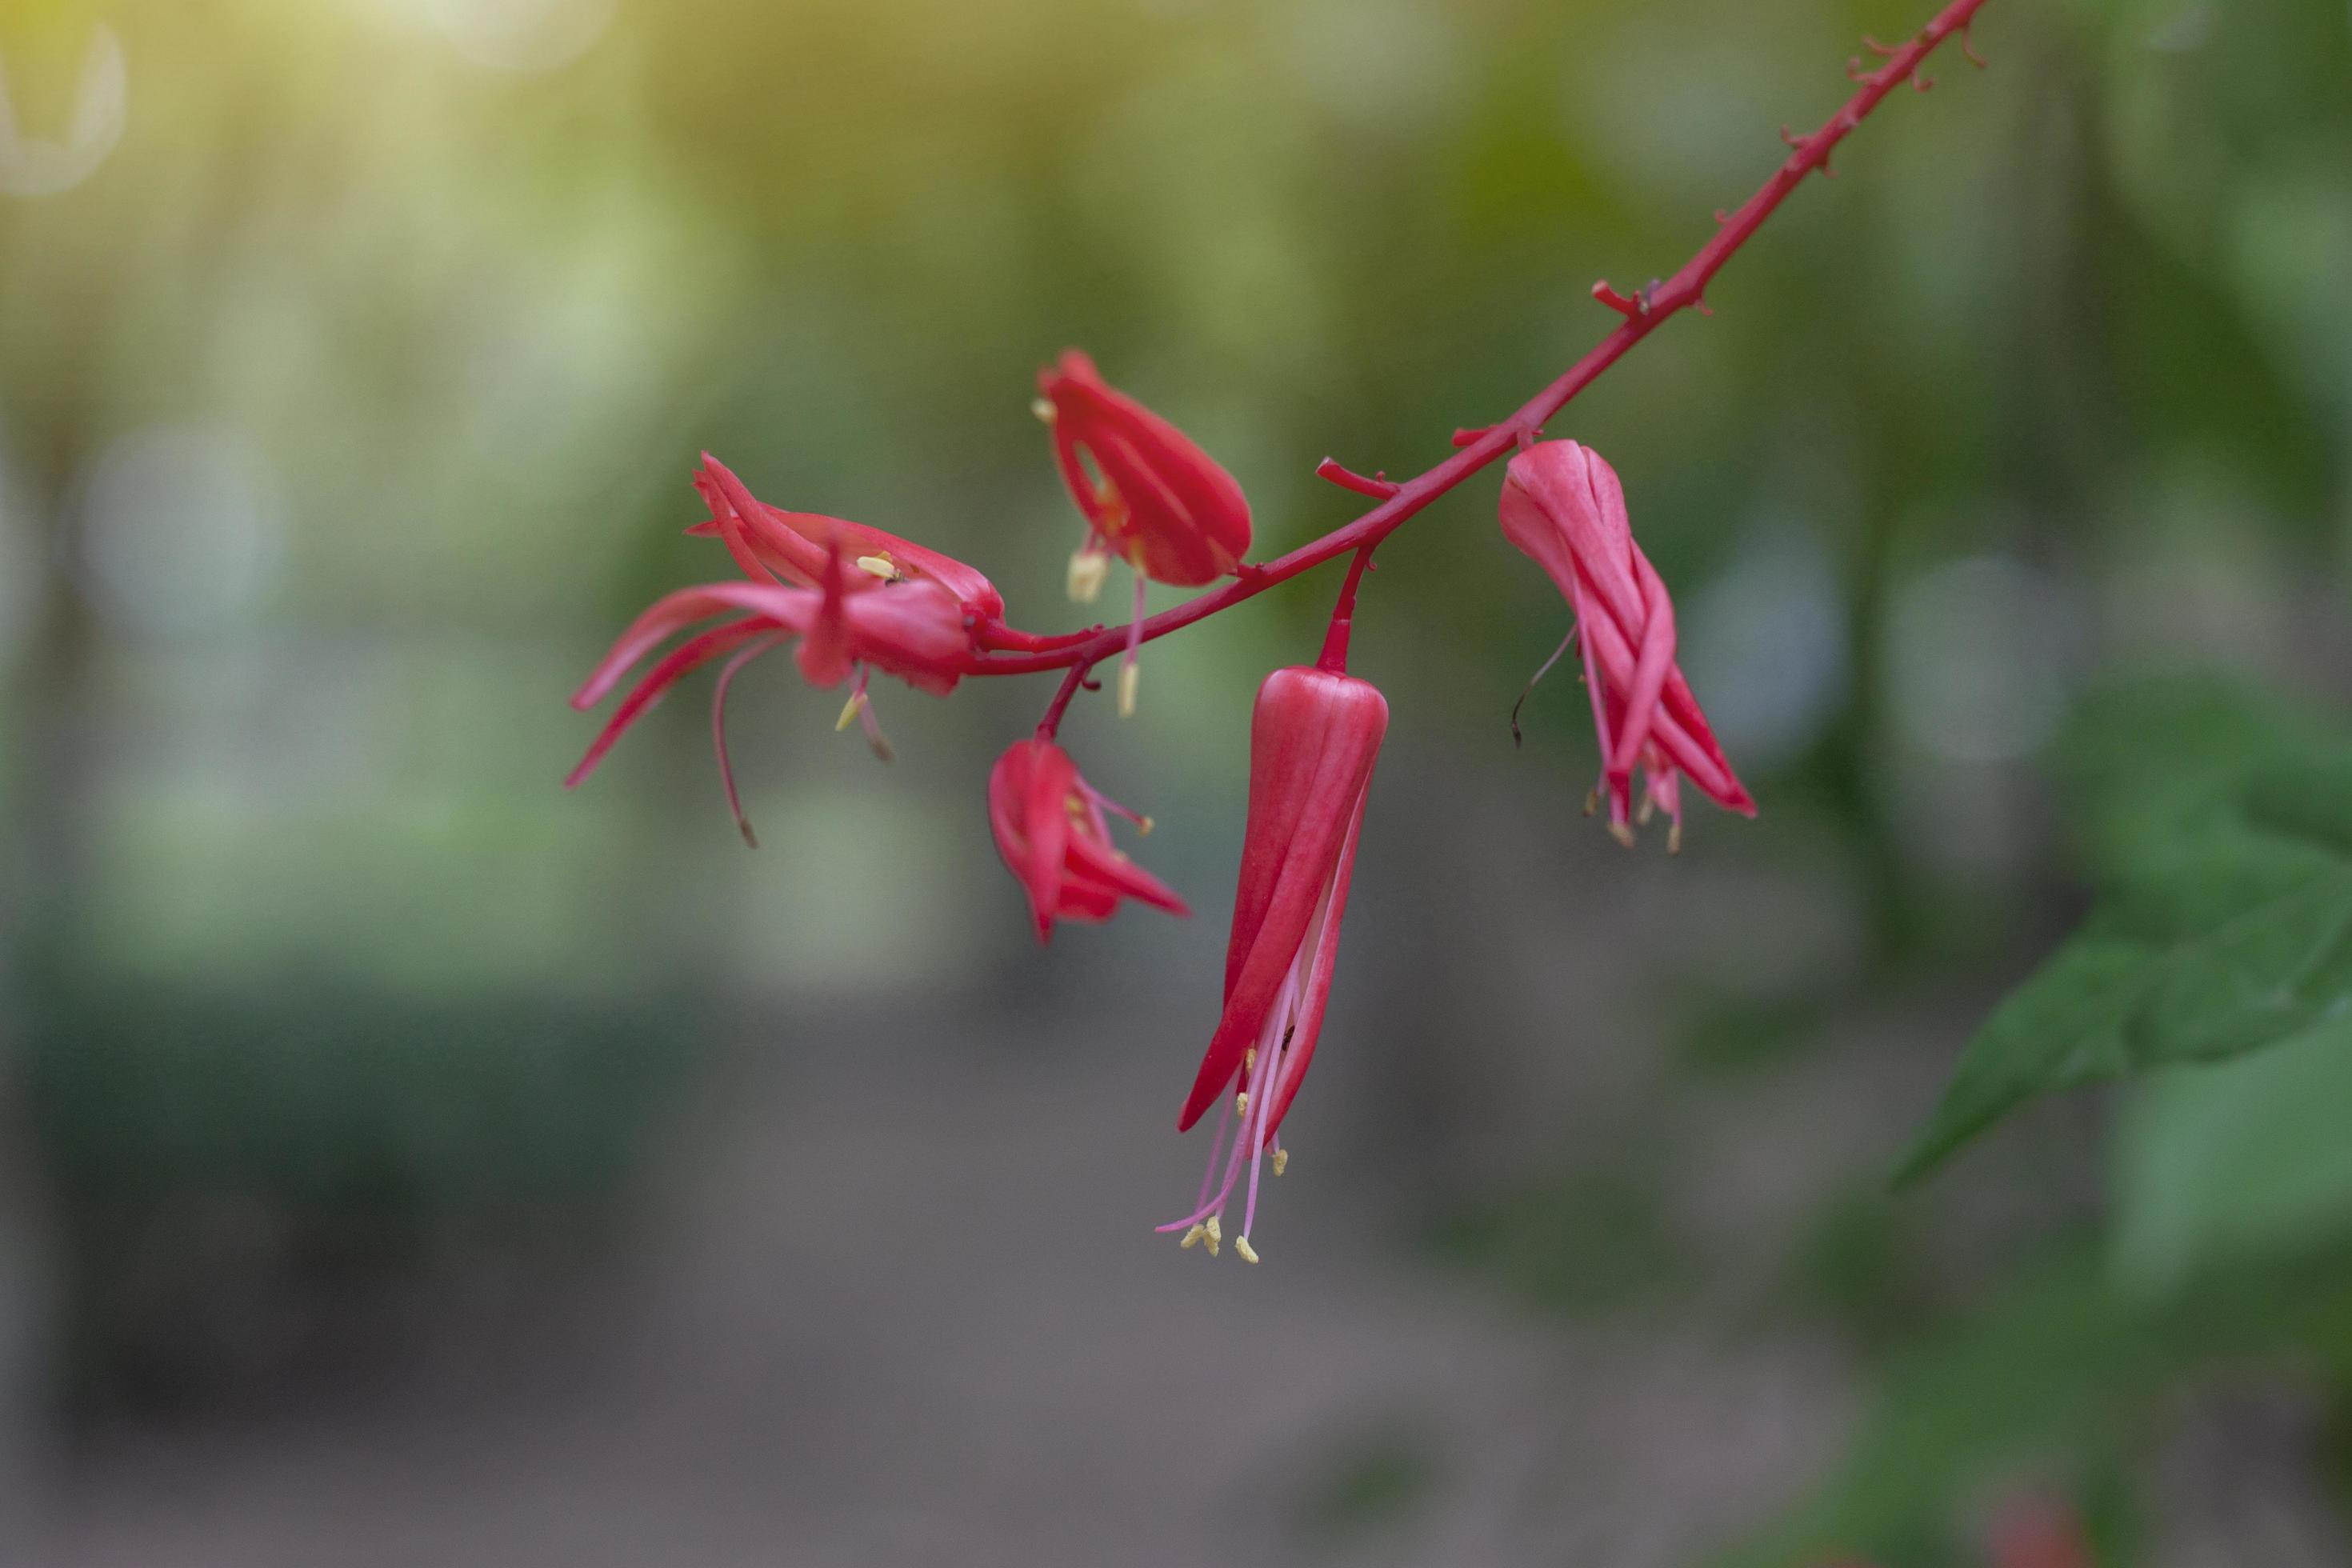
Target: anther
{"x": 1591, "y": 801}
{"x": 881, "y": 566}
{"x": 1623, "y": 834}
{"x": 1143, "y": 825}
{"x": 1129, "y": 675}
{"x": 1648, "y": 809}
{"x": 1242, "y": 1245}
{"x": 1249, "y": 1061}
{"x": 1675, "y": 840}
{"x": 1044, "y": 410}
{"x": 850, "y": 711}
{"x": 1088, "y": 569}
{"x": 1241, "y": 1103}
{"x": 1213, "y": 1234}
{"x": 1192, "y": 1236}
{"x": 1281, "y": 1161}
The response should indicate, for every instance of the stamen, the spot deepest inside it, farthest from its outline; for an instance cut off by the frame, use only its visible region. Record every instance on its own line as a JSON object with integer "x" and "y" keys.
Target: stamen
{"x": 1214, "y": 1232}
{"x": 1675, "y": 840}
{"x": 1044, "y": 411}
{"x": 1249, "y": 1061}
{"x": 1193, "y": 1234}
{"x": 1089, "y": 567}
{"x": 881, "y": 566}
{"x": 849, "y": 710}
{"x": 1143, "y": 825}
{"x": 1242, "y": 1245}
{"x": 1241, "y": 1103}
{"x": 1281, "y": 1161}
{"x": 1129, "y": 672}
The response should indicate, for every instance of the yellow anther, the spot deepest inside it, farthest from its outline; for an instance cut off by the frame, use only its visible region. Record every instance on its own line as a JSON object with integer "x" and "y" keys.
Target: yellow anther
{"x": 850, "y": 711}
{"x": 1044, "y": 411}
{"x": 1193, "y": 1234}
{"x": 1675, "y": 840}
{"x": 881, "y": 566}
{"x": 1591, "y": 801}
{"x": 1241, "y": 1103}
{"x": 1088, "y": 570}
{"x": 1623, "y": 834}
{"x": 1649, "y": 809}
{"x": 1075, "y": 804}
{"x": 1281, "y": 1161}
{"x": 1213, "y": 1234}
{"x": 1128, "y": 674}
{"x": 1242, "y": 1245}
{"x": 1249, "y": 1061}
{"x": 1143, "y": 825}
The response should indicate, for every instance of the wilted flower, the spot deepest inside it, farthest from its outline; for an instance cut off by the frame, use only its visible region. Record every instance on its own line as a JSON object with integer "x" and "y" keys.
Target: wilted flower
{"x": 1313, "y": 740}
{"x": 1150, "y": 494}
{"x": 1050, "y": 827}
{"x": 1563, "y": 506}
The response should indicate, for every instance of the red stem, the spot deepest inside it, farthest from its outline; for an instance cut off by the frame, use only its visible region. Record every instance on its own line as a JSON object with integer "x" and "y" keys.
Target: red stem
{"x": 1649, "y": 309}
{"x": 1343, "y": 616}
{"x": 1051, "y": 722}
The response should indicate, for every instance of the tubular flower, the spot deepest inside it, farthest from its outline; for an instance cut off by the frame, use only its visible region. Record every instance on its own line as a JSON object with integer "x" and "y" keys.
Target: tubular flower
{"x": 912, "y": 629}
{"x": 1150, "y": 494}
{"x": 1050, "y": 827}
{"x": 1564, "y": 507}
{"x": 771, "y": 543}
{"x": 1313, "y": 740}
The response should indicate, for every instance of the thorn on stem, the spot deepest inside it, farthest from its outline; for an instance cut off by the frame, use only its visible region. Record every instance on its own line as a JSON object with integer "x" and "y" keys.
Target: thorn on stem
{"x": 1790, "y": 138}
{"x": 1702, "y": 307}
{"x": 1472, "y": 437}
{"x": 1722, "y": 216}
{"x": 1348, "y": 479}
{"x": 1853, "y": 72}
{"x": 1968, "y": 47}
{"x": 1875, "y": 47}
{"x": 1627, "y": 308}
{"x": 1921, "y": 83}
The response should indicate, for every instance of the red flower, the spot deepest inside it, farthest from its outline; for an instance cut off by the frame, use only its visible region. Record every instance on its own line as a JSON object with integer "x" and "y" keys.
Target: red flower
{"x": 1150, "y": 496}
{"x": 913, "y": 629}
{"x": 1050, "y": 828}
{"x": 1313, "y": 740}
{"x": 769, "y": 542}
{"x": 1563, "y": 506}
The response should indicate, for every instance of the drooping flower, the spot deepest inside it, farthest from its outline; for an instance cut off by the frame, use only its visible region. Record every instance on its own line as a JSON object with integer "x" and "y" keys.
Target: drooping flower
{"x": 1563, "y": 506}
{"x": 1050, "y": 826}
{"x": 1313, "y": 740}
{"x": 771, "y": 543}
{"x": 1150, "y": 496}
{"x": 912, "y": 629}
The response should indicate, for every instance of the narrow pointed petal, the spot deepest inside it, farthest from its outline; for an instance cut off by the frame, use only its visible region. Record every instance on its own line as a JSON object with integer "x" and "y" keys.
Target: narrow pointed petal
{"x": 682, "y": 660}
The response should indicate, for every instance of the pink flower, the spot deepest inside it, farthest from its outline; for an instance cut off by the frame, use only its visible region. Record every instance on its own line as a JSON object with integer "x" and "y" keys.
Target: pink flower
{"x": 1313, "y": 740}
{"x": 1150, "y": 494}
{"x": 1050, "y": 828}
{"x": 1155, "y": 499}
{"x": 768, "y": 543}
{"x": 913, "y": 629}
{"x": 1563, "y": 506}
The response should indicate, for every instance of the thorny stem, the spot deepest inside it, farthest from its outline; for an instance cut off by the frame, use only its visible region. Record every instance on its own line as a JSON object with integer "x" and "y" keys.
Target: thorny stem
{"x": 1645, "y": 311}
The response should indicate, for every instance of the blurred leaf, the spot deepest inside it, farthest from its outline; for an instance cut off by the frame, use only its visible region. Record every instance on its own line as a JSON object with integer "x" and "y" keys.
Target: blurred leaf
{"x": 2228, "y": 928}
{"x": 2229, "y": 1162}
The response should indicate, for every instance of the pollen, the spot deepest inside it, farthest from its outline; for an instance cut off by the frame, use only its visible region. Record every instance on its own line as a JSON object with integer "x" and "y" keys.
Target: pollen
{"x": 1192, "y": 1236}
{"x": 850, "y": 711}
{"x": 1213, "y": 1232}
{"x": 1241, "y": 1103}
{"x": 1623, "y": 834}
{"x": 1281, "y": 1161}
{"x": 1143, "y": 825}
{"x": 1675, "y": 840}
{"x": 1242, "y": 1245}
{"x": 881, "y": 566}
{"x": 1044, "y": 410}
{"x": 1249, "y": 1061}
{"x": 1129, "y": 675}
{"x": 1088, "y": 570}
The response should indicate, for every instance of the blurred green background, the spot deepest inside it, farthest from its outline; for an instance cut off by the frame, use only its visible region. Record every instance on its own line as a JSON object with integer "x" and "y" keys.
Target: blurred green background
{"x": 407, "y": 1161}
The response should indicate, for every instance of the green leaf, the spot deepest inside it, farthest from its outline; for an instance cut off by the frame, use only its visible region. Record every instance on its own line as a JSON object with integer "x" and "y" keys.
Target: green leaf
{"x": 2236, "y": 1162}
{"x": 2228, "y": 928}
